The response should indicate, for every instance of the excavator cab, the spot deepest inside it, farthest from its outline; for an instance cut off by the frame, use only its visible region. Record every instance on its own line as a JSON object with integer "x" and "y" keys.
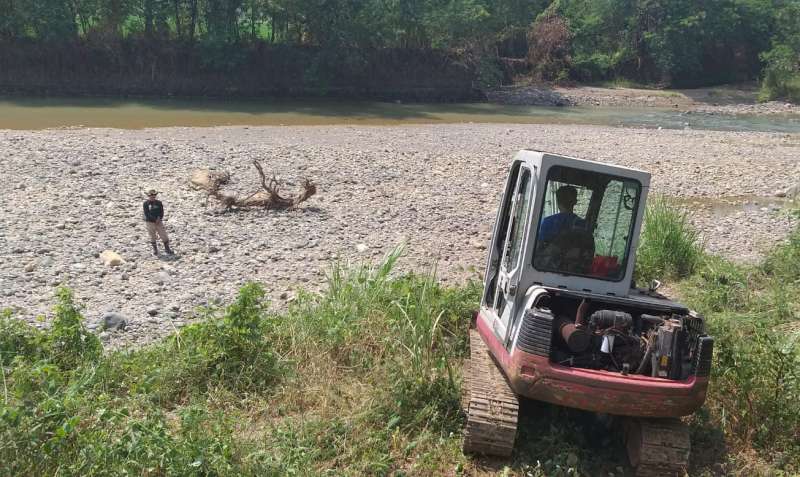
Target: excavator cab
{"x": 566, "y": 223}
{"x": 561, "y": 319}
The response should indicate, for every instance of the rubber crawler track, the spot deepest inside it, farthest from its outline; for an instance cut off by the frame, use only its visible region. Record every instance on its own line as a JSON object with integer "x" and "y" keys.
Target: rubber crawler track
{"x": 658, "y": 447}
{"x": 489, "y": 403}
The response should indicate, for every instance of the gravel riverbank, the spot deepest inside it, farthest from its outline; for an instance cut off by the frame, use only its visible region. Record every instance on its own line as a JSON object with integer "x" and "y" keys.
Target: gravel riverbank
{"x": 70, "y": 194}
{"x": 712, "y": 100}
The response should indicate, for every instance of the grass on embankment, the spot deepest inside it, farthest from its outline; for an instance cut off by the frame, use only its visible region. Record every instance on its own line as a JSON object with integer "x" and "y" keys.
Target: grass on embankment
{"x": 365, "y": 379}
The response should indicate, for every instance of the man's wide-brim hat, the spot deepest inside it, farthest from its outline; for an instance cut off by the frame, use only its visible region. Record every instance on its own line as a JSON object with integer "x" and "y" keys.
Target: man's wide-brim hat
{"x": 152, "y": 192}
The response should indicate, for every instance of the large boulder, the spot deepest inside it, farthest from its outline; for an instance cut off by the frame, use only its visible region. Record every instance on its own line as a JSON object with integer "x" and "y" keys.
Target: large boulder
{"x": 114, "y": 321}
{"x": 111, "y": 258}
{"x": 792, "y": 192}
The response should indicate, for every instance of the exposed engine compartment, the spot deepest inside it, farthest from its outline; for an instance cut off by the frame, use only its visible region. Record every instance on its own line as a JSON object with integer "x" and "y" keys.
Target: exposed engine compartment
{"x": 627, "y": 339}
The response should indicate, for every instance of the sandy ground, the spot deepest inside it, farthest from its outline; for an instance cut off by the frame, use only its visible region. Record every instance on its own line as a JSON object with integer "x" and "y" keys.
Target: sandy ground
{"x": 70, "y": 194}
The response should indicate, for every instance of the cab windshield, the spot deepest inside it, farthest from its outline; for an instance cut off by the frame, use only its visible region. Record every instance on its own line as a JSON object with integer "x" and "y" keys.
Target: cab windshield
{"x": 586, "y": 223}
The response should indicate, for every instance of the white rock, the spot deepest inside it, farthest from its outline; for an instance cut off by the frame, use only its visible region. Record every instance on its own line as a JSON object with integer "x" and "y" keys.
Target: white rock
{"x": 361, "y": 248}
{"x": 111, "y": 258}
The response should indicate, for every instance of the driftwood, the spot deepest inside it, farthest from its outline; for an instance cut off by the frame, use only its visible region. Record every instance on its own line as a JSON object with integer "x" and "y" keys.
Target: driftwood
{"x": 209, "y": 180}
{"x": 270, "y": 197}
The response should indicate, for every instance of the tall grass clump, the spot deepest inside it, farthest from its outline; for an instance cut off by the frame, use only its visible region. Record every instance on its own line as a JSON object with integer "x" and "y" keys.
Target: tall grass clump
{"x": 235, "y": 349}
{"x": 17, "y": 339}
{"x": 669, "y": 247}
{"x": 406, "y": 329}
{"x": 719, "y": 285}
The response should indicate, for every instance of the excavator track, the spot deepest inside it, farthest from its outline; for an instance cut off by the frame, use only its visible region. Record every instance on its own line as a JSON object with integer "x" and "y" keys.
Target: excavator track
{"x": 658, "y": 447}
{"x": 489, "y": 403}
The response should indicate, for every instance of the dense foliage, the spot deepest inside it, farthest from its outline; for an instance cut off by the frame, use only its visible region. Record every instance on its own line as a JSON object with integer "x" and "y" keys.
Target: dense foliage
{"x": 667, "y": 42}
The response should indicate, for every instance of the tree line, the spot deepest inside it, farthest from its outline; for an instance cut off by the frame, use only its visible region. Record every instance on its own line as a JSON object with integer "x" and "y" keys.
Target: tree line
{"x": 666, "y": 42}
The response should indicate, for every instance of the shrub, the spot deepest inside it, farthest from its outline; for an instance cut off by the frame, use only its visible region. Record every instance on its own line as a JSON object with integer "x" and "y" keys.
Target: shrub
{"x": 17, "y": 338}
{"x": 668, "y": 247}
{"x": 69, "y": 343}
{"x": 233, "y": 350}
{"x": 783, "y": 262}
{"x": 781, "y": 74}
{"x": 756, "y": 379}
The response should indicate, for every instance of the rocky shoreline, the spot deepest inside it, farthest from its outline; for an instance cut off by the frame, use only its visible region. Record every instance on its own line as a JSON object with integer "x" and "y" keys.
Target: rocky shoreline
{"x": 71, "y": 194}
{"x": 721, "y": 100}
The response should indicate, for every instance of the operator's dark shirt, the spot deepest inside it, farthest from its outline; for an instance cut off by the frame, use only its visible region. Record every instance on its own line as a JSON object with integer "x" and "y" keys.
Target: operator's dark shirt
{"x": 557, "y": 223}
{"x": 153, "y": 210}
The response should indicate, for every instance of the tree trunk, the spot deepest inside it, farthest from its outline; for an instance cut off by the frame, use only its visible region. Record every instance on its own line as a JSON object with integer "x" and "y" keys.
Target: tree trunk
{"x": 82, "y": 20}
{"x": 148, "y": 18}
{"x": 177, "y": 19}
{"x": 253, "y": 20}
{"x": 272, "y": 30}
{"x": 7, "y": 30}
{"x": 193, "y": 24}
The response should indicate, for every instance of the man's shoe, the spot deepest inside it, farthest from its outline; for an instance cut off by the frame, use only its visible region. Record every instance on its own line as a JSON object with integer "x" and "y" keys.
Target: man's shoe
{"x": 167, "y": 249}
{"x": 155, "y": 248}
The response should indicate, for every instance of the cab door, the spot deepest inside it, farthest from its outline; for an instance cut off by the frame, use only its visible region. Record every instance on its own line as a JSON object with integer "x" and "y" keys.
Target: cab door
{"x": 505, "y": 267}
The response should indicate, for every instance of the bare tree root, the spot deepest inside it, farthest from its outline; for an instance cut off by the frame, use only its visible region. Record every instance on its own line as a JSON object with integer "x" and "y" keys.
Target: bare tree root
{"x": 269, "y": 198}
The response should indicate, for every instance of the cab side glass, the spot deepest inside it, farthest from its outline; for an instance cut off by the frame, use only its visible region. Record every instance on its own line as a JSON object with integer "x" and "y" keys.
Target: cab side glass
{"x": 521, "y": 212}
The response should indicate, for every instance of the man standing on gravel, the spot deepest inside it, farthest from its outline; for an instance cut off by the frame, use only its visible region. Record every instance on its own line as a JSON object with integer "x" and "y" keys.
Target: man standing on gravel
{"x": 153, "y": 215}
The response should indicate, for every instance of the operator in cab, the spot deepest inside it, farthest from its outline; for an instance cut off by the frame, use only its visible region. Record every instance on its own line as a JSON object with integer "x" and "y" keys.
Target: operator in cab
{"x": 566, "y": 219}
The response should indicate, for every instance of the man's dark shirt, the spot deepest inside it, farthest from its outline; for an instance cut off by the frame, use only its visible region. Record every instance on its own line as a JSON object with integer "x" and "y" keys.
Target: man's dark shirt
{"x": 558, "y": 223}
{"x": 153, "y": 210}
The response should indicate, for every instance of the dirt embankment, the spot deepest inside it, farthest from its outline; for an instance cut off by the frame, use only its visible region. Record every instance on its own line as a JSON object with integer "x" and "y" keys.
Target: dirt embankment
{"x": 69, "y": 195}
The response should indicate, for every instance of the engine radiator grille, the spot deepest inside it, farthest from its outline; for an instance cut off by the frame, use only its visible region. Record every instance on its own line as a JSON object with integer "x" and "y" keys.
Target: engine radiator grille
{"x": 536, "y": 332}
{"x": 705, "y": 350}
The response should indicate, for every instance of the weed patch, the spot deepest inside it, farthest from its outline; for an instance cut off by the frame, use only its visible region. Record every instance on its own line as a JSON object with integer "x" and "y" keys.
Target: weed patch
{"x": 669, "y": 248}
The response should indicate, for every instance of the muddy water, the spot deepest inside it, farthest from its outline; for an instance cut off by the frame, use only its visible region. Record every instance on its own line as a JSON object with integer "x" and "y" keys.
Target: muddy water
{"x": 42, "y": 113}
{"x": 722, "y": 207}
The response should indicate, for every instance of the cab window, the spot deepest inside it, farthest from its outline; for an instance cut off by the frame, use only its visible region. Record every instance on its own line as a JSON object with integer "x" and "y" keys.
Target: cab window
{"x": 586, "y": 223}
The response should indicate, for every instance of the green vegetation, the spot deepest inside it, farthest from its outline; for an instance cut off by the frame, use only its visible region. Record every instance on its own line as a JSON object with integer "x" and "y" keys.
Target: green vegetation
{"x": 669, "y": 248}
{"x": 365, "y": 379}
{"x": 754, "y": 311}
{"x": 782, "y": 72}
{"x": 654, "y": 42}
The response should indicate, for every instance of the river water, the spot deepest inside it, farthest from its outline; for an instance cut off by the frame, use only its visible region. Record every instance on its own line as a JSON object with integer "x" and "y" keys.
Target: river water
{"x": 42, "y": 113}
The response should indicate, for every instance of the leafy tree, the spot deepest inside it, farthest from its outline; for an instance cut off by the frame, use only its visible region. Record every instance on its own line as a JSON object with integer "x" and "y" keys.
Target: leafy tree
{"x": 782, "y": 73}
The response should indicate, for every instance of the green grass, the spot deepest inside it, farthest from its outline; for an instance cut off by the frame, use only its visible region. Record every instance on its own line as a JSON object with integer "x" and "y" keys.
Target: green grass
{"x": 754, "y": 314}
{"x": 669, "y": 248}
{"x": 364, "y": 379}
